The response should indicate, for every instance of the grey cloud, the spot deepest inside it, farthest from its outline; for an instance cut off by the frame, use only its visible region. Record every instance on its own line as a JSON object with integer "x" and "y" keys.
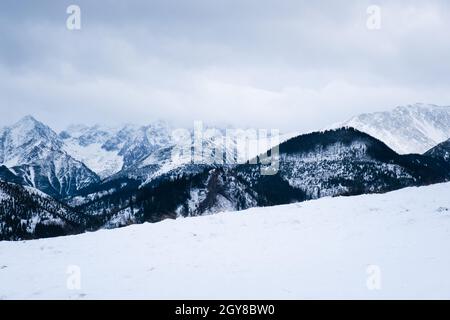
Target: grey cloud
{"x": 291, "y": 64}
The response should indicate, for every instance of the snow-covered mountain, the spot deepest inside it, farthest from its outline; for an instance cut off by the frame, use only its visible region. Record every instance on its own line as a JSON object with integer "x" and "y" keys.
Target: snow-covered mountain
{"x": 106, "y": 151}
{"x": 142, "y": 181}
{"x": 384, "y": 246}
{"x": 61, "y": 164}
{"x": 347, "y": 162}
{"x": 441, "y": 151}
{"x": 331, "y": 163}
{"x": 34, "y": 152}
{"x": 406, "y": 129}
{"x": 25, "y": 141}
{"x": 148, "y": 152}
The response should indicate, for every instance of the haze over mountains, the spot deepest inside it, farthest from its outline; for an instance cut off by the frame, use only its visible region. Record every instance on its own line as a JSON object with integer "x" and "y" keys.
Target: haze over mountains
{"x": 99, "y": 177}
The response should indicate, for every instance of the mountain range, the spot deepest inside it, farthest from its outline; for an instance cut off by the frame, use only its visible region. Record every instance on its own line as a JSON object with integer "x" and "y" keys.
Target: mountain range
{"x": 441, "y": 151}
{"x": 91, "y": 177}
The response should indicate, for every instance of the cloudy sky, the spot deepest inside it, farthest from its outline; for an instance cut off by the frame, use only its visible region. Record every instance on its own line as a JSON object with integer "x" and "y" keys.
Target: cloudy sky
{"x": 287, "y": 64}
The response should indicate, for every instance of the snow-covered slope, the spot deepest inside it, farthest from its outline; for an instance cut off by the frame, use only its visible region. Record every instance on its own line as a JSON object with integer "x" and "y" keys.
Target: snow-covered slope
{"x": 86, "y": 145}
{"x": 386, "y": 246}
{"x": 441, "y": 151}
{"x": 102, "y": 162}
{"x": 106, "y": 151}
{"x": 27, "y": 213}
{"x": 406, "y": 129}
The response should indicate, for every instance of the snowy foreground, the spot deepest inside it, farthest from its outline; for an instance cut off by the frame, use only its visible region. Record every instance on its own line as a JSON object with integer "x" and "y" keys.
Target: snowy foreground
{"x": 394, "y": 245}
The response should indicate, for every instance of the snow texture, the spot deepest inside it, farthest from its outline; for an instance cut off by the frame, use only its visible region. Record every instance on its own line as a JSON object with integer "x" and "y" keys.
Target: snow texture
{"x": 326, "y": 248}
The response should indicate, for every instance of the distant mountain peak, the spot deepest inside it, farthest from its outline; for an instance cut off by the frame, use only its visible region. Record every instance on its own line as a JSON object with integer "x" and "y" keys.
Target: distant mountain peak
{"x": 413, "y": 128}
{"x": 28, "y": 118}
{"x": 34, "y": 152}
{"x": 28, "y": 122}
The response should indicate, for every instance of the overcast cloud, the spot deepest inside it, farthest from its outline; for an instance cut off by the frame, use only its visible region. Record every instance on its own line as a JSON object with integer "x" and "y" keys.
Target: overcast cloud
{"x": 288, "y": 64}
